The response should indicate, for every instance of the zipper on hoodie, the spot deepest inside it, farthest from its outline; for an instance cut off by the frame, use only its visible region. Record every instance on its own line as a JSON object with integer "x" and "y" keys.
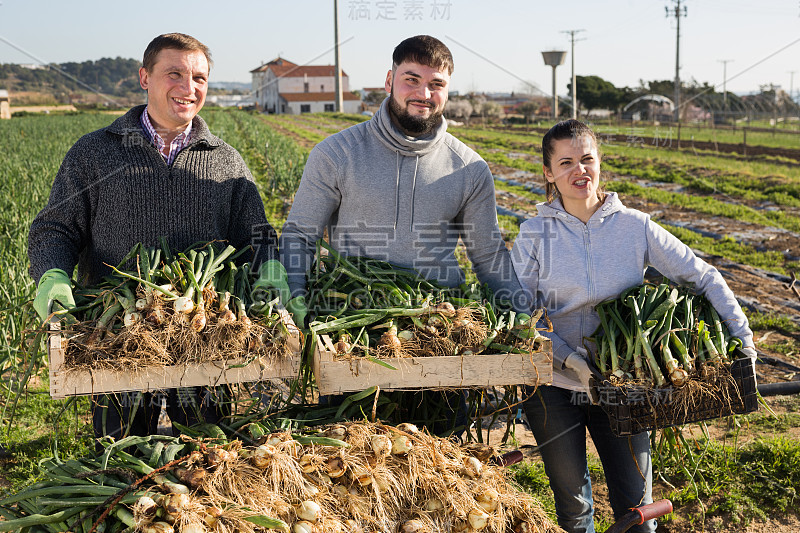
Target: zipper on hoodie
{"x": 587, "y": 241}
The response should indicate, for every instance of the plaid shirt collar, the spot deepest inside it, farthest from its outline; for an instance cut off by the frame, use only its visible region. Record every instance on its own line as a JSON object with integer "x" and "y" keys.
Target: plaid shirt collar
{"x": 177, "y": 144}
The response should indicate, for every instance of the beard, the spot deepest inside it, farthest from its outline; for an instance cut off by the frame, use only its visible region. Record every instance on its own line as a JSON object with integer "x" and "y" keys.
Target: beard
{"x": 415, "y": 125}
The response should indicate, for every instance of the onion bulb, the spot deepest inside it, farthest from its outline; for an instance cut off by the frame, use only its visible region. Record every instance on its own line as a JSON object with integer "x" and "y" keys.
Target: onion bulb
{"x": 336, "y": 467}
{"x": 472, "y": 467}
{"x": 193, "y": 527}
{"x": 308, "y": 463}
{"x": 336, "y": 432}
{"x": 200, "y": 319}
{"x": 524, "y": 527}
{"x": 308, "y": 510}
{"x": 277, "y": 437}
{"x": 381, "y": 445}
{"x": 435, "y": 321}
{"x": 363, "y": 477}
{"x": 303, "y": 526}
{"x": 407, "y": 428}
{"x": 488, "y": 500}
{"x": 174, "y": 504}
{"x": 183, "y": 305}
{"x": 131, "y": 318}
{"x": 158, "y": 527}
{"x": 226, "y": 317}
{"x": 405, "y": 335}
{"x": 401, "y": 445}
{"x": 262, "y": 456}
{"x": 381, "y": 484}
{"x": 343, "y": 345}
{"x": 217, "y": 455}
{"x": 144, "y": 510}
{"x": 211, "y": 516}
{"x": 156, "y": 316}
{"x": 434, "y": 504}
{"x": 191, "y": 476}
{"x": 390, "y": 340}
{"x": 478, "y": 518}
{"x": 141, "y": 304}
{"x": 413, "y": 526}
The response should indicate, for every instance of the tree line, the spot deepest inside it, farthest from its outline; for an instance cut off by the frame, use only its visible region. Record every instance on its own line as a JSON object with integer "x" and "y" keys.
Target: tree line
{"x": 112, "y": 77}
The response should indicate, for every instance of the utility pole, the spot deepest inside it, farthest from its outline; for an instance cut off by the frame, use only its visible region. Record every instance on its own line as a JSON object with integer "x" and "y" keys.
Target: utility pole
{"x": 791, "y": 85}
{"x": 678, "y": 13}
{"x": 724, "y": 80}
{"x": 338, "y": 68}
{"x": 574, "y": 90}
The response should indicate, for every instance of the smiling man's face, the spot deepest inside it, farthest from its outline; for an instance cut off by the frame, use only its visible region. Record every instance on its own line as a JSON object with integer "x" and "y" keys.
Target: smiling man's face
{"x": 176, "y": 88}
{"x": 418, "y": 96}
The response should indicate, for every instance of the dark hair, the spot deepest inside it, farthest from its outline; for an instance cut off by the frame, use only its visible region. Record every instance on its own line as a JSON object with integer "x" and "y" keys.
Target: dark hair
{"x": 566, "y": 129}
{"x": 176, "y": 41}
{"x": 425, "y": 50}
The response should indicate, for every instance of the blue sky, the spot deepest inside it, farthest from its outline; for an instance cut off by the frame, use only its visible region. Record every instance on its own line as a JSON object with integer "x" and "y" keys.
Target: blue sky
{"x": 496, "y": 45}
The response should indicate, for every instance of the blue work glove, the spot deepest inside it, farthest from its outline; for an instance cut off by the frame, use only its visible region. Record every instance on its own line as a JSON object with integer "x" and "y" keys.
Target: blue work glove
{"x": 55, "y": 286}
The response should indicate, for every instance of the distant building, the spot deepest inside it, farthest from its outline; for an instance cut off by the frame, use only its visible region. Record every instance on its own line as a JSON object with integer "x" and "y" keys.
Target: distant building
{"x": 5, "y": 105}
{"x": 281, "y": 86}
{"x": 232, "y": 100}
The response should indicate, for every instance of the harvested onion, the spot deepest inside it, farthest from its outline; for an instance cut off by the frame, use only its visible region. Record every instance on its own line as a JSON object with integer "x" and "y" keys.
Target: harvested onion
{"x": 308, "y": 510}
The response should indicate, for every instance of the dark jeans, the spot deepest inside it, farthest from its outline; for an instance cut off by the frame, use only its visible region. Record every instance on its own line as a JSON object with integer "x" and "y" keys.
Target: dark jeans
{"x": 136, "y": 413}
{"x": 559, "y": 419}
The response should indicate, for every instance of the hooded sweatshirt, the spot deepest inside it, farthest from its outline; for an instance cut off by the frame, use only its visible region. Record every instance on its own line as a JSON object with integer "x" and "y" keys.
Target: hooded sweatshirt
{"x": 405, "y": 200}
{"x": 568, "y": 267}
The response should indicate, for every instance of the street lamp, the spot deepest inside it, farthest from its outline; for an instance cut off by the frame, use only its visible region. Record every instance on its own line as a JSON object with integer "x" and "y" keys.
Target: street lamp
{"x": 553, "y": 59}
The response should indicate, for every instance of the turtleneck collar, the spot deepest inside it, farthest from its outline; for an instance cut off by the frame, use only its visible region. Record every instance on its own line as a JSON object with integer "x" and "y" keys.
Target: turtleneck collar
{"x": 384, "y": 129}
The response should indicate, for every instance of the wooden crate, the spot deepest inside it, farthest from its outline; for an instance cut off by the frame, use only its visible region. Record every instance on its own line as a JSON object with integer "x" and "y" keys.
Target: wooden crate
{"x": 461, "y": 371}
{"x": 64, "y": 382}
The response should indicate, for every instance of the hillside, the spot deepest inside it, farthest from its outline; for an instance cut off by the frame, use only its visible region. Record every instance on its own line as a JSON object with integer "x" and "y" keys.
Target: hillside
{"x": 76, "y": 83}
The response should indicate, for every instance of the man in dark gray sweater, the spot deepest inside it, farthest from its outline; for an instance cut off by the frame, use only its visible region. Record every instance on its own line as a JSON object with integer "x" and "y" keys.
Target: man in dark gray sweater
{"x": 156, "y": 171}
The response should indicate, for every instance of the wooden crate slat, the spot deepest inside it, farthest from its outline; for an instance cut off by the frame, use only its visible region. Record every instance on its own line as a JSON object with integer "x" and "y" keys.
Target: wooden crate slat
{"x": 339, "y": 376}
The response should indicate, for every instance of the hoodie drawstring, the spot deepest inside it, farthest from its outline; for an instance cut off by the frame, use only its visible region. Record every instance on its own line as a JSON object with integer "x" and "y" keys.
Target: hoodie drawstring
{"x": 413, "y": 191}
{"x": 397, "y": 191}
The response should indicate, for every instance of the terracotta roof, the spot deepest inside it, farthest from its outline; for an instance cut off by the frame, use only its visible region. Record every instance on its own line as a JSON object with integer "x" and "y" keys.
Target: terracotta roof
{"x": 316, "y": 97}
{"x": 284, "y": 68}
{"x": 374, "y": 89}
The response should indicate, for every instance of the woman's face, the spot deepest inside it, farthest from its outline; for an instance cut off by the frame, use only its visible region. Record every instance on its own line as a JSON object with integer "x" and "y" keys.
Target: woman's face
{"x": 575, "y": 171}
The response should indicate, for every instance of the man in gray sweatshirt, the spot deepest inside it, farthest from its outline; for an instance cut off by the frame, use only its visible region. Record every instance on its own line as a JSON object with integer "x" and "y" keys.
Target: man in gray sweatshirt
{"x": 400, "y": 188}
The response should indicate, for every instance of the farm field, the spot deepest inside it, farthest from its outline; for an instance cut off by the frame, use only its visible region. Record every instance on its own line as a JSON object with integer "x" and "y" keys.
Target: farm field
{"x": 740, "y": 213}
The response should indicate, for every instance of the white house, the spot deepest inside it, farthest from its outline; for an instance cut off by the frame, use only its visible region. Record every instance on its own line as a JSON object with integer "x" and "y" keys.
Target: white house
{"x": 281, "y": 86}
{"x": 5, "y": 106}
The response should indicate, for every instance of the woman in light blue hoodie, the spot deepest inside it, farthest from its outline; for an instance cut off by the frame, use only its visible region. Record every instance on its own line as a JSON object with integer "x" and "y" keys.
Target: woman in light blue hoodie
{"x": 582, "y": 248}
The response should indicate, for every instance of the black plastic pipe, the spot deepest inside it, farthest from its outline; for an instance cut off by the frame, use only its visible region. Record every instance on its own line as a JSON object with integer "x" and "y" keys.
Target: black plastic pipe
{"x": 777, "y": 389}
